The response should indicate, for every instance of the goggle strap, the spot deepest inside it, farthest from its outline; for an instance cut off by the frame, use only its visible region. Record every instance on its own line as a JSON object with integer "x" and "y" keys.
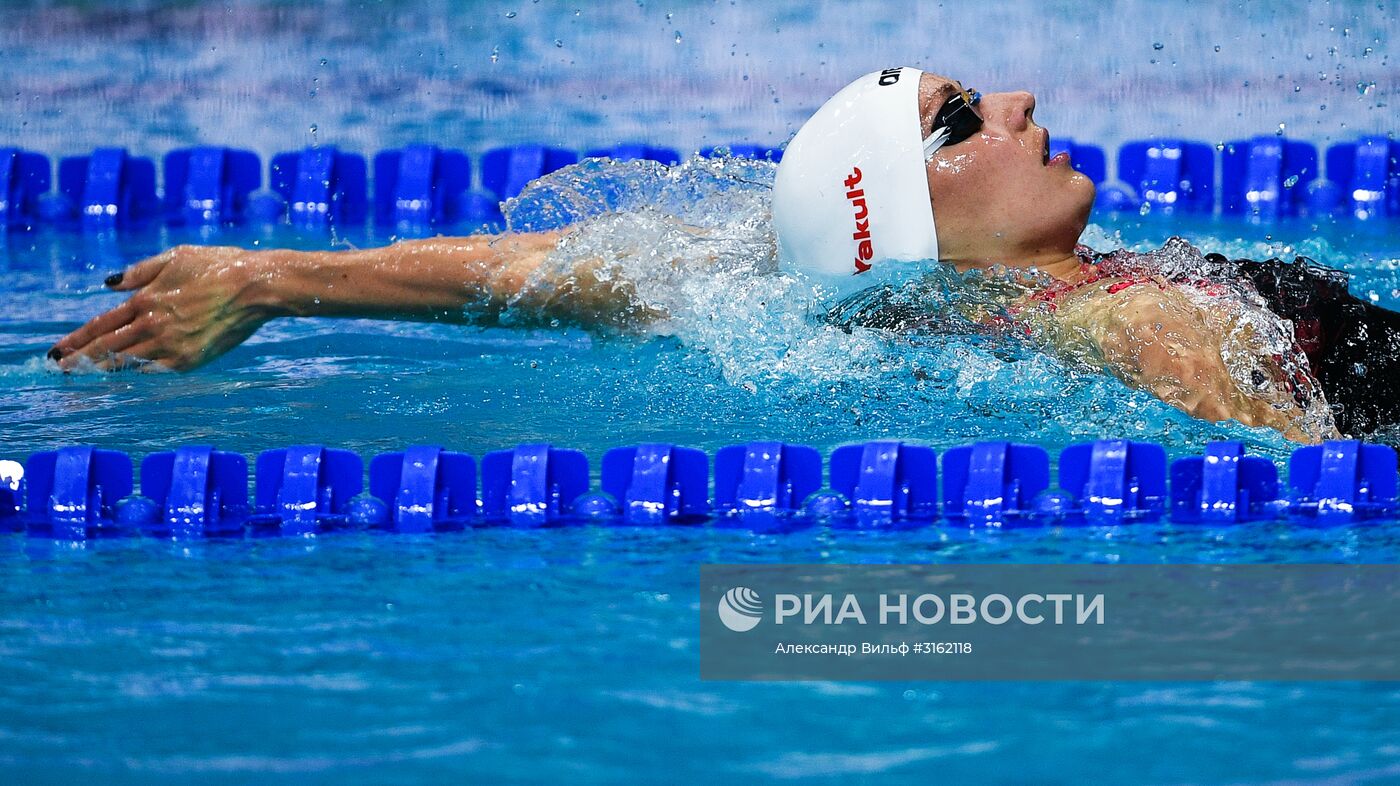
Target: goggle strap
{"x": 935, "y": 140}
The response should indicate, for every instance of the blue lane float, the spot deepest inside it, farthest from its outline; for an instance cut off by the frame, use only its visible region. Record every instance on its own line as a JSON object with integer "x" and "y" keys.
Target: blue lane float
{"x": 317, "y": 187}
{"x": 658, "y": 483}
{"x": 306, "y": 488}
{"x": 1367, "y": 174}
{"x": 1111, "y": 481}
{"x": 1224, "y": 486}
{"x": 1266, "y": 178}
{"x": 72, "y": 493}
{"x": 192, "y": 492}
{"x": 536, "y": 485}
{"x": 505, "y": 171}
{"x": 423, "y": 188}
{"x": 765, "y": 477}
{"x": 25, "y": 178}
{"x": 994, "y": 481}
{"x": 81, "y": 492}
{"x": 886, "y": 481}
{"x": 11, "y": 502}
{"x": 1343, "y": 481}
{"x": 424, "y": 488}
{"x": 1169, "y": 175}
{"x": 209, "y": 186}
{"x": 105, "y": 190}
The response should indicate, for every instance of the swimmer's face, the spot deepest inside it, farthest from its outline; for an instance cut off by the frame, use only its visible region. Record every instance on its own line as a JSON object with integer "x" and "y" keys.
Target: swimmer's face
{"x": 997, "y": 197}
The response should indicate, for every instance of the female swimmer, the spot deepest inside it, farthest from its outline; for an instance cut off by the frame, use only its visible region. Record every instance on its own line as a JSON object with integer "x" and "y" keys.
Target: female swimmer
{"x": 901, "y": 165}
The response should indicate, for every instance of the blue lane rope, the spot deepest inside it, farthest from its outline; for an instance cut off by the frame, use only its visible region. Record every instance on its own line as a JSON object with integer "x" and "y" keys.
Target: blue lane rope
{"x": 81, "y": 492}
{"x": 423, "y": 187}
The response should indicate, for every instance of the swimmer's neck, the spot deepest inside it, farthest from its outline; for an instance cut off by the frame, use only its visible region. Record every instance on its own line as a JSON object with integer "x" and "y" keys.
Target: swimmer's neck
{"x": 1062, "y": 266}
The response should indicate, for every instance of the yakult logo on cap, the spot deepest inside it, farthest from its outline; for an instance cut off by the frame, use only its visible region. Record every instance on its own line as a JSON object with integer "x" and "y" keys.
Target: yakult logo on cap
{"x": 865, "y": 248}
{"x": 855, "y": 170}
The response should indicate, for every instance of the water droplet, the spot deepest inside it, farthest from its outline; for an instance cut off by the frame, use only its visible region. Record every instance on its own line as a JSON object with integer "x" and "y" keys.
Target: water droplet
{"x": 558, "y": 43}
{"x": 510, "y": 15}
{"x": 323, "y": 61}
{"x": 313, "y": 128}
{"x": 1291, "y": 181}
{"x": 1158, "y": 45}
{"x": 495, "y": 53}
{"x": 1362, "y": 88}
{"x": 1217, "y": 47}
{"x": 678, "y": 36}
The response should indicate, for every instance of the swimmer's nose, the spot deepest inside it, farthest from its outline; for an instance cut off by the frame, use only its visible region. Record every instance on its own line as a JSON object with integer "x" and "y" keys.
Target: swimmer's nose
{"x": 1013, "y": 109}
{"x": 1025, "y": 108}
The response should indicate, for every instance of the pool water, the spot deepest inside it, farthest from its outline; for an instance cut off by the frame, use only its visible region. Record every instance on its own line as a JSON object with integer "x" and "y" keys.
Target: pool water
{"x": 570, "y": 654}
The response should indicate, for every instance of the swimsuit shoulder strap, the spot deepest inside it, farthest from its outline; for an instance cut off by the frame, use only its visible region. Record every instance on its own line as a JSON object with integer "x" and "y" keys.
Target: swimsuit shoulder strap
{"x": 1095, "y": 267}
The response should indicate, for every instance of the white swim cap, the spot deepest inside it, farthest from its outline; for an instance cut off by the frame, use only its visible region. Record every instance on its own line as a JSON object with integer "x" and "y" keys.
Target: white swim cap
{"x": 852, "y": 189}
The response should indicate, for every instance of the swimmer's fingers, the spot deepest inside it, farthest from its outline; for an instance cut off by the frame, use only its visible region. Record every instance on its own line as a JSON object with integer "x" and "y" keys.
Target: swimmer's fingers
{"x": 68, "y": 346}
{"x": 104, "y": 346}
{"x": 143, "y": 272}
{"x": 145, "y": 356}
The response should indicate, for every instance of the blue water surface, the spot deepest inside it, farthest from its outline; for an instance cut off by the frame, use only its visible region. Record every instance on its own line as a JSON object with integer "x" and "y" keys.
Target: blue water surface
{"x": 571, "y": 654}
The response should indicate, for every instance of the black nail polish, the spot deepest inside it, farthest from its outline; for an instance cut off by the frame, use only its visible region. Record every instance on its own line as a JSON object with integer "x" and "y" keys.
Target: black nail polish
{"x": 55, "y": 354}
{"x": 113, "y": 280}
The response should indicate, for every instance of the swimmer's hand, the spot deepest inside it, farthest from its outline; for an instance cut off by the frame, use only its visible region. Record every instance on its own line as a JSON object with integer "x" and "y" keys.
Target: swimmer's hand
{"x": 189, "y": 305}
{"x": 193, "y": 303}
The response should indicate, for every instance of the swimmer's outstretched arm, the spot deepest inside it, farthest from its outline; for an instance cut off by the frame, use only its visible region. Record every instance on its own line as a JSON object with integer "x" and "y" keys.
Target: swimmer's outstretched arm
{"x": 191, "y": 304}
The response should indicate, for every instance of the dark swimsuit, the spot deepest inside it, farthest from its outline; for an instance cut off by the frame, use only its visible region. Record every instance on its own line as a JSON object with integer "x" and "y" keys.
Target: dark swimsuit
{"x": 1353, "y": 346}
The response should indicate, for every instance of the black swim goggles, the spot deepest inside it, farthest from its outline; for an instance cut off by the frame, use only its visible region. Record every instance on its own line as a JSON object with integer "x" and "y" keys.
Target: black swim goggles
{"x": 956, "y": 120}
